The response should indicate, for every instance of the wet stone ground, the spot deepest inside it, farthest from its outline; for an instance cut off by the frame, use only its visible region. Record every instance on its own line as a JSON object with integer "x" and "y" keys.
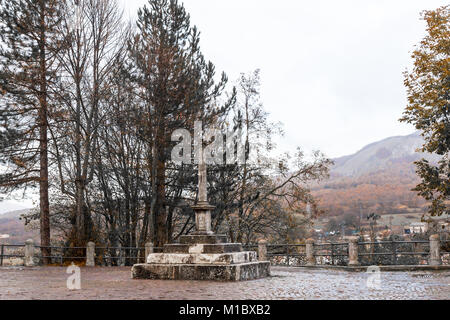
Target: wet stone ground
{"x": 285, "y": 283}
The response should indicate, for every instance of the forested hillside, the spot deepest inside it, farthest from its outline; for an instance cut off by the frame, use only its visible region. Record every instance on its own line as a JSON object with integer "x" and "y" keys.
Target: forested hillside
{"x": 13, "y": 227}
{"x": 379, "y": 179}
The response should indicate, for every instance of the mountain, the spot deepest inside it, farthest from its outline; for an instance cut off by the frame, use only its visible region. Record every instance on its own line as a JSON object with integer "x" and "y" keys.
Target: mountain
{"x": 15, "y": 229}
{"x": 398, "y": 152}
{"x": 378, "y": 178}
{"x": 13, "y": 214}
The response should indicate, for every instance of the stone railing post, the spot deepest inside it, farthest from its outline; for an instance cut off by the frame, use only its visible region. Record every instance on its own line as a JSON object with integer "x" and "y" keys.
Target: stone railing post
{"x": 353, "y": 252}
{"x": 310, "y": 259}
{"x": 29, "y": 253}
{"x": 262, "y": 250}
{"x": 121, "y": 260}
{"x": 435, "y": 251}
{"x": 90, "y": 254}
{"x": 148, "y": 249}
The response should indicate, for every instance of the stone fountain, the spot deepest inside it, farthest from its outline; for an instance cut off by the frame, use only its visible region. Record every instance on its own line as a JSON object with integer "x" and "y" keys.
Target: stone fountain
{"x": 202, "y": 255}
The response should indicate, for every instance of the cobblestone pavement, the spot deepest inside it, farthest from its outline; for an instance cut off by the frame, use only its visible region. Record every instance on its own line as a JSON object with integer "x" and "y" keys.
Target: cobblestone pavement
{"x": 285, "y": 283}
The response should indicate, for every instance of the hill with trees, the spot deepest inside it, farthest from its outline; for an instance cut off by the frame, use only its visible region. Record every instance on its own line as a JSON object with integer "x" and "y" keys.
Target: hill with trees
{"x": 13, "y": 227}
{"x": 379, "y": 178}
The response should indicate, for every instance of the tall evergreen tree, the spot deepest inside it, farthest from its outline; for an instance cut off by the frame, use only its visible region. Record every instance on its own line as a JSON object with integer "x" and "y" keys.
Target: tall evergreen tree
{"x": 27, "y": 74}
{"x": 178, "y": 88}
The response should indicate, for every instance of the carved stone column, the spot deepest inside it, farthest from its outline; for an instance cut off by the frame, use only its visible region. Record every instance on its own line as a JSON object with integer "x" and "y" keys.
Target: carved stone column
{"x": 203, "y": 208}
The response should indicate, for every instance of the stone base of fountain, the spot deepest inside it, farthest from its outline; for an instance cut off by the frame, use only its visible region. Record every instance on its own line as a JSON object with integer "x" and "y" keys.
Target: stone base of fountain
{"x": 202, "y": 257}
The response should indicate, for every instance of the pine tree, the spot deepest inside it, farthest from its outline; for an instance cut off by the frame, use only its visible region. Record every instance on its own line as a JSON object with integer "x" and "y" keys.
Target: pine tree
{"x": 178, "y": 86}
{"x": 27, "y": 73}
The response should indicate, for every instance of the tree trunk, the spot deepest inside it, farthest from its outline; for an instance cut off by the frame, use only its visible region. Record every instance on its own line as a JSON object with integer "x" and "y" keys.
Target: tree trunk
{"x": 80, "y": 223}
{"x": 160, "y": 207}
{"x": 43, "y": 146}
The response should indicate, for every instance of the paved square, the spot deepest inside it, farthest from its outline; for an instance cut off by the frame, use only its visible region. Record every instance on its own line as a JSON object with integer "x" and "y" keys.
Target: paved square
{"x": 286, "y": 283}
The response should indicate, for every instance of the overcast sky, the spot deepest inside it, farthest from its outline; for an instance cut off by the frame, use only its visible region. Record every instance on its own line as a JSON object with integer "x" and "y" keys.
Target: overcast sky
{"x": 331, "y": 70}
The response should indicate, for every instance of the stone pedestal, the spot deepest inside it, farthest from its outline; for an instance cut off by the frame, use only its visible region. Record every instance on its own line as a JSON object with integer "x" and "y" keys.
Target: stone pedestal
{"x": 353, "y": 252}
{"x": 203, "y": 218}
{"x": 231, "y": 272}
{"x": 435, "y": 253}
{"x": 203, "y": 257}
{"x": 90, "y": 254}
{"x": 310, "y": 258}
{"x": 29, "y": 253}
{"x": 262, "y": 250}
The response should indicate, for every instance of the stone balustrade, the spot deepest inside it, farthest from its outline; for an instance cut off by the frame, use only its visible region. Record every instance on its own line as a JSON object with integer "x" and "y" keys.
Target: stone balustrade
{"x": 262, "y": 251}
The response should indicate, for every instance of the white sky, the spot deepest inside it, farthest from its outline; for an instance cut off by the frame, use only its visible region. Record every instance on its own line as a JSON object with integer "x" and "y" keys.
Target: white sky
{"x": 14, "y": 205}
{"x": 331, "y": 70}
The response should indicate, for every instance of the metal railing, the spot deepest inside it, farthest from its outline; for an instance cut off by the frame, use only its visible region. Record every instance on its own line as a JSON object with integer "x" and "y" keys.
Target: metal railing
{"x": 17, "y": 253}
{"x": 395, "y": 252}
{"x": 282, "y": 254}
{"x": 331, "y": 253}
{"x": 60, "y": 254}
{"x": 413, "y": 252}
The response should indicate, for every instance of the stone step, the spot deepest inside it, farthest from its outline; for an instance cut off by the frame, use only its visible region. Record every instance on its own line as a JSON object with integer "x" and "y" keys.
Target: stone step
{"x": 203, "y": 239}
{"x": 203, "y": 248}
{"x": 202, "y": 258}
{"x": 236, "y": 272}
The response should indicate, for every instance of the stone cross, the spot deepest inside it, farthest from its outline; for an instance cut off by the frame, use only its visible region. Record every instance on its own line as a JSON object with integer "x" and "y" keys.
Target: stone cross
{"x": 203, "y": 208}
{"x": 202, "y": 180}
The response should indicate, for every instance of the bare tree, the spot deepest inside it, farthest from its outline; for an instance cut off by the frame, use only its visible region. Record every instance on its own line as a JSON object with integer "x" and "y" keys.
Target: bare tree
{"x": 94, "y": 36}
{"x": 266, "y": 193}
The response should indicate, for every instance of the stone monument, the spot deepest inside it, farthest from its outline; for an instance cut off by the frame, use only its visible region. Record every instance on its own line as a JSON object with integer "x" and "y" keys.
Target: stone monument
{"x": 202, "y": 255}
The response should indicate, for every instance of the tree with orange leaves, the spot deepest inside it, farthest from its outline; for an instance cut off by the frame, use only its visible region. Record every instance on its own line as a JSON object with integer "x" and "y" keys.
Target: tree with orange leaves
{"x": 428, "y": 88}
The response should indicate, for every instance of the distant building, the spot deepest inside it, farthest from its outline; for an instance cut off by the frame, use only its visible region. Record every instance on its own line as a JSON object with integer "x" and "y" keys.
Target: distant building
{"x": 444, "y": 226}
{"x": 416, "y": 228}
